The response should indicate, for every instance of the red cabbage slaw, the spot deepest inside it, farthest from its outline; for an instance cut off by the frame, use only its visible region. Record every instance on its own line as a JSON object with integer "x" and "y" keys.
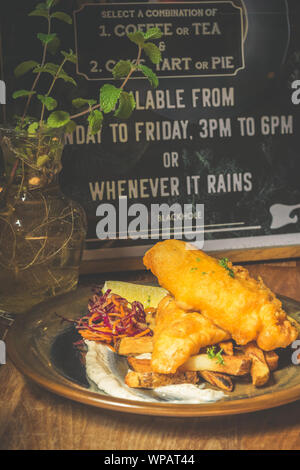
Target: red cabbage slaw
{"x": 111, "y": 317}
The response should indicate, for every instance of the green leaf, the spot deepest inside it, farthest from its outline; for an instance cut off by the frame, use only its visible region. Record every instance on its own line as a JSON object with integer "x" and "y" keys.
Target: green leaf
{"x": 122, "y": 69}
{"x": 219, "y": 357}
{"x": 41, "y": 6}
{"x": 152, "y": 51}
{"x": 54, "y": 45}
{"x": 70, "y": 127}
{"x": 109, "y": 96}
{"x": 95, "y": 120}
{"x": 137, "y": 37}
{"x": 24, "y": 67}
{"x": 80, "y": 102}
{"x": 22, "y": 122}
{"x": 32, "y": 128}
{"x": 59, "y": 15}
{"x": 126, "y": 105}
{"x": 41, "y": 160}
{"x": 46, "y": 38}
{"x": 152, "y": 77}
{"x": 66, "y": 78}
{"x": 21, "y": 93}
{"x": 70, "y": 56}
{"x": 48, "y": 102}
{"x": 39, "y": 12}
{"x": 211, "y": 352}
{"x": 153, "y": 33}
{"x": 55, "y": 70}
{"x": 47, "y": 68}
{"x": 58, "y": 119}
{"x": 49, "y": 3}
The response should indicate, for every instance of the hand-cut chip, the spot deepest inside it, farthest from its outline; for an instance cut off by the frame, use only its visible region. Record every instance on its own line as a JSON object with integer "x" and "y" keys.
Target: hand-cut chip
{"x": 130, "y": 346}
{"x": 232, "y": 365}
{"x": 179, "y": 334}
{"x": 153, "y": 380}
{"x": 227, "y": 347}
{"x": 139, "y": 365}
{"x": 260, "y": 371}
{"x": 222, "y": 381}
{"x": 272, "y": 359}
{"x": 228, "y": 296}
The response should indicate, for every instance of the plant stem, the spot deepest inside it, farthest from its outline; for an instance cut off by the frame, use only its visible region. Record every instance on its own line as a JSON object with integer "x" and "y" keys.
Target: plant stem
{"x": 51, "y": 88}
{"x": 15, "y": 167}
{"x": 39, "y": 73}
{"x": 86, "y": 111}
{"x": 133, "y": 69}
{"x": 10, "y": 181}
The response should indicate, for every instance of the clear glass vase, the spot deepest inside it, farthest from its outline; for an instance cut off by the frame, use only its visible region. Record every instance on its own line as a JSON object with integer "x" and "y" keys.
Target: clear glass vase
{"x": 42, "y": 232}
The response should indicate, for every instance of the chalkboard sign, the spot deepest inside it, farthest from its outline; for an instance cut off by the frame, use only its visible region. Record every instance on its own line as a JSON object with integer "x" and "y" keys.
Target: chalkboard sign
{"x": 187, "y": 30}
{"x": 221, "y": 131}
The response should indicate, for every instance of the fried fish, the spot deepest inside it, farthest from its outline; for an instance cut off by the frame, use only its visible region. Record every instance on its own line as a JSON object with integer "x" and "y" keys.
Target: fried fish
{"x": 179, "y": 334}
{"x": 226, "y": 295}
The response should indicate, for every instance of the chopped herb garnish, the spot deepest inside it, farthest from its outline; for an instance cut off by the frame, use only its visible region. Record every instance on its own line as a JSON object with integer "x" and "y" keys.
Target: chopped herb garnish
{"x": 203, "y": 272}
{"x": 219, "y": 357}
{"x": 198, "y": 260}
{"x": 224, "y": 263}
{"x": 211, "y": 352}
{"x": 193, "y": 269}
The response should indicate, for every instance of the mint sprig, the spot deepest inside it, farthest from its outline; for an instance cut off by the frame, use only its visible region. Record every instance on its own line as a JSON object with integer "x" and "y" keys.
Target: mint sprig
{"x": 150, "y": 75}
{"x": 138, "y": 37}
{"x": 22, "y": 93}
{"x": 25, "y": 67}
{"x": 81, "y": 102}
{"x": 58, "y": 119}
{"x": 122, "y": 69}
{"x": 60, "y": 15}
{"x": 46, "y": 38}
{"x": 153, "y": 52}
{"x": 109, "y": 96}
{"x": 49, "y": 102}
{"x": 112, "y": 98}
{"x": 95, "y": 120}
{"x": 126, "y": 105}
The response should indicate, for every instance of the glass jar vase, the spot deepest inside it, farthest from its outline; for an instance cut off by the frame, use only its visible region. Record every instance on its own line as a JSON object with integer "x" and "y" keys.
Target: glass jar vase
{"x": 42, "y": 232}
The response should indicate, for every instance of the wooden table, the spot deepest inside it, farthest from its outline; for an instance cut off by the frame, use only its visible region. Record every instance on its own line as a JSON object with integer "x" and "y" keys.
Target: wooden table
{"x": 32, "y": 418}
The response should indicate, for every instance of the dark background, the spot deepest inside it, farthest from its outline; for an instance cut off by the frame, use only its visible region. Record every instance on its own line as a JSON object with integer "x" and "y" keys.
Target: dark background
{"x": 272, "y": 56}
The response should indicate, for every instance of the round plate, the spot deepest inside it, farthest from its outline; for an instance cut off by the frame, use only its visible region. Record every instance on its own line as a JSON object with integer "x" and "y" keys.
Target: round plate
{"x": 40, "y": 345}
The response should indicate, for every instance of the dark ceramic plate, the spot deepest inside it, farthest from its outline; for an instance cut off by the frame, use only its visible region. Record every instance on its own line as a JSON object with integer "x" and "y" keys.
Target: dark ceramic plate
{"x": 42, "y": 347}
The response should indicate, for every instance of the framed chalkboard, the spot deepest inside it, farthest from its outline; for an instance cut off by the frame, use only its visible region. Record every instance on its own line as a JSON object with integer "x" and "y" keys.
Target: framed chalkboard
{"x": 220, "y": 133}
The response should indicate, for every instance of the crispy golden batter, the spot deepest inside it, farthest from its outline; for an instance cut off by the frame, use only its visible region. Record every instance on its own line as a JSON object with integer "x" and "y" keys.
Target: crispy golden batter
{"x": 244, "y": 307}
{"x": 179, "y": 334}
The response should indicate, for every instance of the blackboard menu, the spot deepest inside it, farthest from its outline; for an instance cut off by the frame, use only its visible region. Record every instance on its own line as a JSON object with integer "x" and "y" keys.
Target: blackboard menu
{"x": 220, "y": 132}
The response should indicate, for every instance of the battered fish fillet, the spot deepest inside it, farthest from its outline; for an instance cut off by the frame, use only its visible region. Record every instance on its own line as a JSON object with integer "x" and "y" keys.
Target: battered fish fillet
{"x": 179, "y": 334}
{"x": 232, "y": 300}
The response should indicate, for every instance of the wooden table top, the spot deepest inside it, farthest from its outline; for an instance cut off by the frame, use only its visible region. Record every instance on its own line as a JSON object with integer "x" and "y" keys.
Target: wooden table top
{"x": 33, "y": 418}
